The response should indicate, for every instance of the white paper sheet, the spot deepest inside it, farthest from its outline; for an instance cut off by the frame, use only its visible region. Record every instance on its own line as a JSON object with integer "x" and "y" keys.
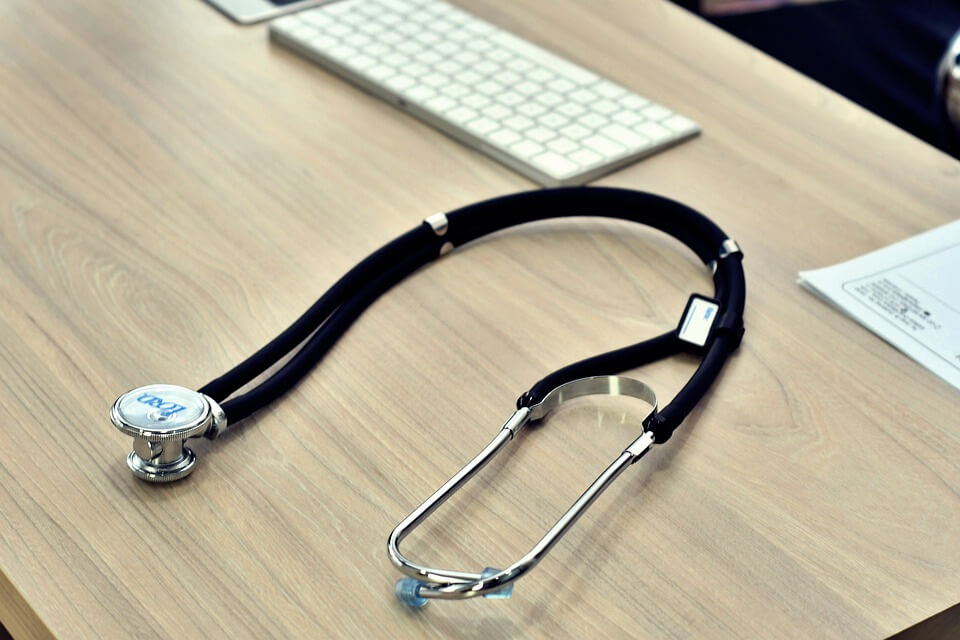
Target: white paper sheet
{"x": 907, "y": 293}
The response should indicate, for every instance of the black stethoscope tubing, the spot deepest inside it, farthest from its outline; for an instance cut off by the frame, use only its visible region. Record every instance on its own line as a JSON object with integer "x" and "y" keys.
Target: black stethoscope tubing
{"x": 331, "y": 315}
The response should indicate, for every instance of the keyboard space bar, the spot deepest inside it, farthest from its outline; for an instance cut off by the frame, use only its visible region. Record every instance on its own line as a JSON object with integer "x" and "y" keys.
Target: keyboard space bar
{"x": 542, "y": 57}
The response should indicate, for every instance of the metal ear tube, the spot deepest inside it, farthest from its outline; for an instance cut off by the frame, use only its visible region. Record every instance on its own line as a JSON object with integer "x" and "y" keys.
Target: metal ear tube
{"x": 425, "y": 583}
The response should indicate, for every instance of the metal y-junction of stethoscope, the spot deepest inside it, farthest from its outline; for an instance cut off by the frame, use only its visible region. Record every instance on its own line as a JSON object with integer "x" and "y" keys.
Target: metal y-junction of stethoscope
{"x": 426, "y": 582}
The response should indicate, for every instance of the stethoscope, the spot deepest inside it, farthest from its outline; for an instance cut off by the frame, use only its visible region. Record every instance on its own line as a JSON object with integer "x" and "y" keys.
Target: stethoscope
{"x": 162, "y": 417}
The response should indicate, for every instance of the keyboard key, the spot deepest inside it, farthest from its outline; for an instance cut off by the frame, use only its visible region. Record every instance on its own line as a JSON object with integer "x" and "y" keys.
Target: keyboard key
{"x": 375, "y": 50}
{"x": 483, "y": 126}
{"x": 389, "y": 38}
{"x": 575, "y": 132}
{"x": 540, "y": 134}
{"x": 395, "y": 59}
{"x": 592, "y": 120}
{"x": 457, "y": 16}
{"x": 343, "y": 52}
{"x": 507, "y": 77}
{"x": 528, "y": 88}
{"x": 654, "y": 131}
{"x": 380, "y": 72}
{"x": 429, "y": 57}
{"x": 485, "y": 67}
{"x": 461, "y": 114}
{"x": 540, "y": 75}
{"x": 475, "y": 101}
{"x": 398, "y": 6}
{"x": 519, "y": 65}
{"x": 440, "y": 104}
{"x": 633, "y": 102}
{"x": 419, "y": 93}
{"x": 549, "y": 98}
{"x": 490, "y": 88}
{"x": 518, "y": 123}
{"x": 401, "y": 82}
{"x": 469, "y": 77}
{"x": 504, "y": 137}
{"x": 608, "y": 89}
{"x": 409, "y": 47}
{"x": 338, "y": 30}
{"x": 354, "y": 18}
{"x": 625, "y": 136}
{"x": 583, "y": 96}
{"x": 371, "y": 28}
{"x": 679, "y": 124}
{"x": 479, "y": 27}
{"x": 466, "y": 58}
{"x": 448, "y": 47}
{"x": 604, "y": 146}
{"x": 287, "y": 23}
{"x": 656, "y": 112}
{"x": 496, "y": 112}
{"x": 324, "y": 42}
{"x": 449, "y": 67}
{"x": 357, "y": 40}
{"x": 454, "y": 90}
{"x": 479, "y": 46}
{"x": 362, "y": 62}
{"x": 526, "y": 149}
{"x": 441, "y": 26}
{"x": 531, "y": 109}
{"x": 510, "y": 98}
{"x": 627, "y": 118}
{"x": 563, "y": 146}
{"x": 586, "y": 158}
{"x": 552, "y": 120}
{"x": 562, "y": 85}
{"x": 303, "y": 32}
{"x": 317, "y": 18}
{"x": 554, "y": 164}
{"x": 416, "y": 69}
{"x": 435, "y": 80}
{"x": 605, "y": 107}
{"x": 571, "y": 109}
{"x": 460, "y": 35}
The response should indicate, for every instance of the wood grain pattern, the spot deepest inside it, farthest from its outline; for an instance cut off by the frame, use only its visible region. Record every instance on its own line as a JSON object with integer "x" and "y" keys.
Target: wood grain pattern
{"x": 174, "y": 190}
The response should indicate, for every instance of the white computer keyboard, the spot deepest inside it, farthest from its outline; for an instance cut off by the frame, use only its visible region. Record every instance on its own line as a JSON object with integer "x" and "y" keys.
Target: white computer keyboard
{"x": 550, "y": 119}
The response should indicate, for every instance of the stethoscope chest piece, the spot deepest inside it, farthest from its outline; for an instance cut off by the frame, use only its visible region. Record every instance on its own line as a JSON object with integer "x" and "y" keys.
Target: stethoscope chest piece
{"x": 160, "y": 418}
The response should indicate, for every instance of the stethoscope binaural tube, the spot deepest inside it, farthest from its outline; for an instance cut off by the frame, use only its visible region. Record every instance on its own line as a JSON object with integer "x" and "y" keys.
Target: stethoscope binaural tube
{"x": 160, "y": 418}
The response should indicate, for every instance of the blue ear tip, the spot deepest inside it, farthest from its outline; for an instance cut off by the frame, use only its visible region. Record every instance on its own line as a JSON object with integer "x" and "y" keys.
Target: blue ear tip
{"x": 408, "y": 592}
{"x": 501, "y": 593}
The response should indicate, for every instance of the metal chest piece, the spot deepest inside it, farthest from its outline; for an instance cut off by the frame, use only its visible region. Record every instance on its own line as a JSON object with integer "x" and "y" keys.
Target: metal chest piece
{"x": 160, "y": 418}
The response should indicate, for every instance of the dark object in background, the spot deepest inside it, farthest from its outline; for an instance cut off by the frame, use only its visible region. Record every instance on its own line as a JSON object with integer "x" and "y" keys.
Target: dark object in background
{"x": 883, "y": 54}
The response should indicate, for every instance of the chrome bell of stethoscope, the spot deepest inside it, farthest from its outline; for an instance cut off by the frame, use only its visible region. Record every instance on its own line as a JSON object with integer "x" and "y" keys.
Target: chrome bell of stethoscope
{"x": 161, "y": 418}
{"x": 425, "y": 582}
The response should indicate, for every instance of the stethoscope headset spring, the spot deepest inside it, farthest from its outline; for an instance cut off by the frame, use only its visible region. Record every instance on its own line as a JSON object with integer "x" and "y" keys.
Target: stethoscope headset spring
{"x": 162, "y": 417}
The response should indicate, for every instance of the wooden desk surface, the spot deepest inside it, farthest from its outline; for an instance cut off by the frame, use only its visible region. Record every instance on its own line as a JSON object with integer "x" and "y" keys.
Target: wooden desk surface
{"x": 175, "y": 190}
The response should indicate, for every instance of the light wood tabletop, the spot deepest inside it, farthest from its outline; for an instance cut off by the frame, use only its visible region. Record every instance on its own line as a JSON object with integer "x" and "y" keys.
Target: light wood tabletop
{"x": 175, "y": 190}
